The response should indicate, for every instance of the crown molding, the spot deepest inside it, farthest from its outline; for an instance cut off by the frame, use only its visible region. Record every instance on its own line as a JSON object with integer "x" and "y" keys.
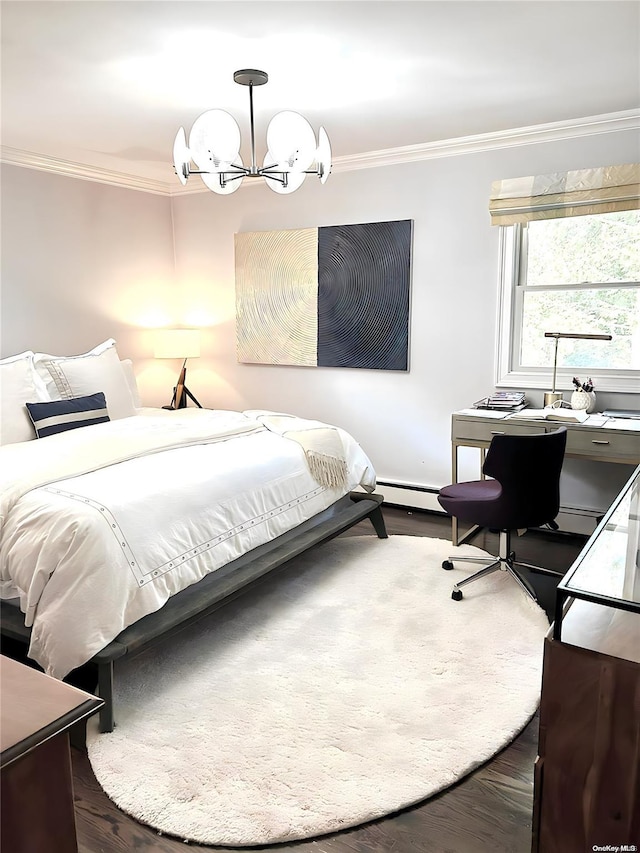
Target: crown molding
{"x": 571, "y": 129}
{"x": 29, "y": 160}
{"x": 482, "y": 142}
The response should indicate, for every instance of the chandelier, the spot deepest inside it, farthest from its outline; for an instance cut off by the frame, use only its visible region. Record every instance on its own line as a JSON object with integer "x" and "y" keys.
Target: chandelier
{"x": 214, "y": 147}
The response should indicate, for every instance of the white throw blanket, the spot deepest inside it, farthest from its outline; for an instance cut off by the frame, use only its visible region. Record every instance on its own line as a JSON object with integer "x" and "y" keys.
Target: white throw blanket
{"x": 322, "y": 445}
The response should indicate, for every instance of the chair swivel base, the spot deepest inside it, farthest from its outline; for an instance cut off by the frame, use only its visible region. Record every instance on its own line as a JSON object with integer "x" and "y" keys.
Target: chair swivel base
{"x": 505, "y": 562}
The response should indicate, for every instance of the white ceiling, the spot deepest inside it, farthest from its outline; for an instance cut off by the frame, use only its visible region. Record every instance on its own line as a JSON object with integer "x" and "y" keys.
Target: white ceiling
{"x": 105, "y": 84}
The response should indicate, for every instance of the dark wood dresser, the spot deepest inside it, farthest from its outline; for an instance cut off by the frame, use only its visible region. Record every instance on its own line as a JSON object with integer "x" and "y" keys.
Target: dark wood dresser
{"x": 36, "y": 787}
{"x": 587, "y": 775}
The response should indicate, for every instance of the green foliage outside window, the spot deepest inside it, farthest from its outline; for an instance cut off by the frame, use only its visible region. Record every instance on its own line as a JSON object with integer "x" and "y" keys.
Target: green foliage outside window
{"x": 594, "y": 249}
{"x": 583, "y": 275}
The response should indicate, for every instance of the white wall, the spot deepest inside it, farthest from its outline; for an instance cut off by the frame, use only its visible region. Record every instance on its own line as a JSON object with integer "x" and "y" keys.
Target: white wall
{"x": 82, "y": 261}
{"x": 401, "y": 419}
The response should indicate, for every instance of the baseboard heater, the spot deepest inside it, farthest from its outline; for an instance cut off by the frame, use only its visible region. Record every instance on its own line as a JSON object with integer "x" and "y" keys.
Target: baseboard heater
{"x": 414, "y": 497}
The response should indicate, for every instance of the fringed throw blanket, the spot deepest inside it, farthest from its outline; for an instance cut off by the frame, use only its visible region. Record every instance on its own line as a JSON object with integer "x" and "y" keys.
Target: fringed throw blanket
{"x": 322, "y": 445}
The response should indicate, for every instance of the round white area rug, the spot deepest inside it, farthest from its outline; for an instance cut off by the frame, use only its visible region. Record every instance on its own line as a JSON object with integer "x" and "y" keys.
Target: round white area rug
{"x": 333, "y": 694}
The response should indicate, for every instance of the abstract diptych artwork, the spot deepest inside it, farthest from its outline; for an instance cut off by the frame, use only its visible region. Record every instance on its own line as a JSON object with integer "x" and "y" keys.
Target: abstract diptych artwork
{"x": 334, "y": 296}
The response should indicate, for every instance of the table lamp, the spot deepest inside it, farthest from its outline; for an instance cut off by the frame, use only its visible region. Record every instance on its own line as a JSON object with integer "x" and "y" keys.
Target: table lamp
{"x": 551, "y": 397}
{"x": 183, "y": 344}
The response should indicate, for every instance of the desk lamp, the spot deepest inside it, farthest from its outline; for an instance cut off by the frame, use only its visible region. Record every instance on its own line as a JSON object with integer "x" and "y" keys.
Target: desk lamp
{"x": 183, "y": 344}
{"x": 551, "y": 397}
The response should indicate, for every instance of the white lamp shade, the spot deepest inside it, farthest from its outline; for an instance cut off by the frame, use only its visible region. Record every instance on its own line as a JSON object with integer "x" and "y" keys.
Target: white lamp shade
{"x": 177, "y": 343}
{"x": 291, "y": 140}
{"x": 181, "y": 156}
{"x": 214, "y": 140}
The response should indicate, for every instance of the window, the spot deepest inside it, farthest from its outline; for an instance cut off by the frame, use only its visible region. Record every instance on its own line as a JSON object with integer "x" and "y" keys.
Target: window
{"x": 571, "y": 274}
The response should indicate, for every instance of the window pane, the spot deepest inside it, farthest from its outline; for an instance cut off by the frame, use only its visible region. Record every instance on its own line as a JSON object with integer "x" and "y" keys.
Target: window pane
{"x": 600, "y": 248}
{"x": 612, "y": 311}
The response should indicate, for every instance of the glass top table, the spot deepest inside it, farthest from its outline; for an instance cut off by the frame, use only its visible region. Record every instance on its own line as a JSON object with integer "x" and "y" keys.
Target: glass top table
{"x": 607, "y": 570}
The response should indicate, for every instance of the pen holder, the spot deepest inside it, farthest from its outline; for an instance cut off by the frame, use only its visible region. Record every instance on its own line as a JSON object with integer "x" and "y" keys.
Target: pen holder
{"x": 583, "y": 400}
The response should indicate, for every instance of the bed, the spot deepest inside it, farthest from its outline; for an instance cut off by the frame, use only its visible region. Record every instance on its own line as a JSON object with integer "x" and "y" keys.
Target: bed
{"x": 123, "y": 531}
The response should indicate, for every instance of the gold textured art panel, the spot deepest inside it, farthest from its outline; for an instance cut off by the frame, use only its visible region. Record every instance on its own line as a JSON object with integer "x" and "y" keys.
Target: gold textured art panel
{"x": 277, "y": 296}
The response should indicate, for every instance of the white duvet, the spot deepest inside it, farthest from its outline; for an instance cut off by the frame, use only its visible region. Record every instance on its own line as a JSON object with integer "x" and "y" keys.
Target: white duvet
{"x": 99, "y": 526}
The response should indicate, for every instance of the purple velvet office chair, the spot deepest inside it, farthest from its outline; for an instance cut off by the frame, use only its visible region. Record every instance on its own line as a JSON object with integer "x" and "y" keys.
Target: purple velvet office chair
{"x": 524, "y": 492}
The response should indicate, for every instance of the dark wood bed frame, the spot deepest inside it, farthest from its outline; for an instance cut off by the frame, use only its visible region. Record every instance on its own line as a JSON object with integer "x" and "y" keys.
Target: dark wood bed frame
{"x": 213, "y": 591}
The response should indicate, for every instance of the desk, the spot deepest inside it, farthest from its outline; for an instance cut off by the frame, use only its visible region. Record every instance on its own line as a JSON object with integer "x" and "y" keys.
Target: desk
{"x": 37, "y": 789}
{"x": 616, "y": 441}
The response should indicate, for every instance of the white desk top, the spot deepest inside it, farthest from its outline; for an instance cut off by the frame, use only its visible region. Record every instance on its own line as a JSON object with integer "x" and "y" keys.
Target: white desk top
{"x": 594, "y": 420}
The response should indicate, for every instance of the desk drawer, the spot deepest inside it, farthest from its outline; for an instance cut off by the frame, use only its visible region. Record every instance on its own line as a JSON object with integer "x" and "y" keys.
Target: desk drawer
{"x": 610, "y": 445}
{"x": 483, "y": 431}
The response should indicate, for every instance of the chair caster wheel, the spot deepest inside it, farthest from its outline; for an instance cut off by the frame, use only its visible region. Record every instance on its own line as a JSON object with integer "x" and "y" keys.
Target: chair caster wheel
{"x": 448, "y": 565}
{"x": 456, "y": 595}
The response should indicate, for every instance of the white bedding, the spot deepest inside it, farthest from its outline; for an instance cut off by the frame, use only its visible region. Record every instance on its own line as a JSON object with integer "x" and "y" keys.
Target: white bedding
{"x": 99, "y": 526}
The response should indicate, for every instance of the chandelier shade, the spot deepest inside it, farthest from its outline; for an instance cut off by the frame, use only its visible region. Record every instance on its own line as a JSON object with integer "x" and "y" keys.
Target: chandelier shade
{"x": 323, "y": 155}
{"x": 214, "y": 148}
{"x": 214, "y": 140}
{"x": 291, "y": 141}
{"x": 181, "y": 156}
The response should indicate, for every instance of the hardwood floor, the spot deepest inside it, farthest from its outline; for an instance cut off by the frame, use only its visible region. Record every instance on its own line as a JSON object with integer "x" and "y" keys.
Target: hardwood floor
{"x": 487, "y": 812}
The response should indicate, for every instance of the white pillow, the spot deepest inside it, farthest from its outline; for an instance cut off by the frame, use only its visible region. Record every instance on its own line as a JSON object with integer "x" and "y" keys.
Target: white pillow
{"x": 127, "y": 366}
{"x": 88, "y": 373}
{"x": 19, "y": 384}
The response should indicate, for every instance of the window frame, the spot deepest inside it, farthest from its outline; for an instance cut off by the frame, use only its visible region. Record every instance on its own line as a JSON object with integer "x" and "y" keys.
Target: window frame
{"x": 509, "y": 373}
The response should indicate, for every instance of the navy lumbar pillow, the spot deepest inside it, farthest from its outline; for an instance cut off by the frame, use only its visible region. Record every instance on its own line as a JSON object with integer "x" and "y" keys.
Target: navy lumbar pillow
{"x": 62, "y": 415}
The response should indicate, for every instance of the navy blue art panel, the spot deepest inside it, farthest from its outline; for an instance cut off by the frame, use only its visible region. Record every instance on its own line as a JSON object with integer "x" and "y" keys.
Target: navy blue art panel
{"x": 364, "y": 276}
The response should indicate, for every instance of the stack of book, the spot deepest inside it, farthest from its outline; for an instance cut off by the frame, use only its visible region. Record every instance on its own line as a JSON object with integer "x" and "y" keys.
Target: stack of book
{"x": 507, "y": 401}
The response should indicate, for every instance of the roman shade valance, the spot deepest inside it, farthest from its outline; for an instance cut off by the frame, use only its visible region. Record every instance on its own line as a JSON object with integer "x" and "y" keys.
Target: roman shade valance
{"x": 602, "y": 190}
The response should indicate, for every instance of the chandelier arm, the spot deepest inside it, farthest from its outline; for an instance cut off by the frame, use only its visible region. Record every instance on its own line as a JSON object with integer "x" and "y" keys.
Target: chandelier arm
{"x": 240, "y": 171}
{"x": 280, "y": 177}
{"x": 230, "y": 176}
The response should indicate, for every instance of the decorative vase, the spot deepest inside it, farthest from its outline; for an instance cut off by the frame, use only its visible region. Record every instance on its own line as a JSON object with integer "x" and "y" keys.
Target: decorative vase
{"x": 583, "y": 400}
